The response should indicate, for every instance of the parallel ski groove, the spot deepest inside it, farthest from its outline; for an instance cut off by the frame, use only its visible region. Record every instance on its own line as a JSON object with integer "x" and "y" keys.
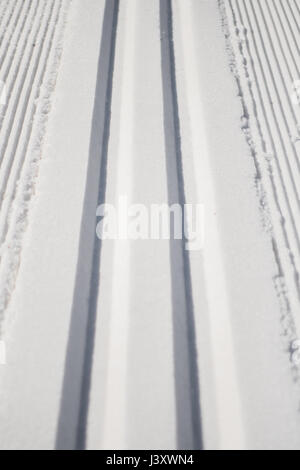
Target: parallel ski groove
{"x": 274, "y": 118}
{"x": 283, "y": 115}
{"x": 269, "y": 56}
{"x": 13, "y": 80}
{"x": 287, "y": 156}
{"x": 284, "y": 87}
{"x": 13, "y": 29}
{"x": 3, "y": 24}
{"x": 297, "y": 6}
{"x": 286, "y": 39}
{"x": 293, "y": 15}
{"x": 290, "y": 26}
{"x": 10, "y": 193}
{"x": 29, "y": 57}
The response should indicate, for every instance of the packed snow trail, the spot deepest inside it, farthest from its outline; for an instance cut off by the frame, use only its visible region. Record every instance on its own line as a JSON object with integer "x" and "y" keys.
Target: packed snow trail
{"x": 124, "y": 160}
{"x": 111, "y": 358}
{"x": 140, "y": 344}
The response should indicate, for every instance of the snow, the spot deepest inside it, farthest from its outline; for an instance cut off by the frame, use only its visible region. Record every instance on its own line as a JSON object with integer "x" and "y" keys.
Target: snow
{"x": 36, "y": 337}
{"x": 31, "y": 79}
{"x": 128, "y": 344}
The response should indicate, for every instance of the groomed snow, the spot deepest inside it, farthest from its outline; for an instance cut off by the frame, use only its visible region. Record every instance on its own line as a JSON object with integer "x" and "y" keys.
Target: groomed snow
{"x": 141, "y": 344}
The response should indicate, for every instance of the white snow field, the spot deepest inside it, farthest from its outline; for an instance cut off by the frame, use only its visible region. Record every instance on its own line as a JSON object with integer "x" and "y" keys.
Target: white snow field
{"x": 142, "y": 344}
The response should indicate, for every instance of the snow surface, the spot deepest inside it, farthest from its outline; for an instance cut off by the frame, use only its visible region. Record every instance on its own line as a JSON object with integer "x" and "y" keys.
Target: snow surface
{"x": 139, "y": 344}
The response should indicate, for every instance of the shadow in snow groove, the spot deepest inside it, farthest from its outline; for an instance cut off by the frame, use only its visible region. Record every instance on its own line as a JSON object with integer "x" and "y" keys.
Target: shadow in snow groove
{"x": 72, "y": 425}
{"x": 189, "y": 430}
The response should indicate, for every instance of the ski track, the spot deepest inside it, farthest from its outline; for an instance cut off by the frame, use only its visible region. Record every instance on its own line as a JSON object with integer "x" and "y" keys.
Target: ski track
{"x": 31, "y": 36}
{"x": 263, "y": 45}
{"x": 263, "y": 38}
